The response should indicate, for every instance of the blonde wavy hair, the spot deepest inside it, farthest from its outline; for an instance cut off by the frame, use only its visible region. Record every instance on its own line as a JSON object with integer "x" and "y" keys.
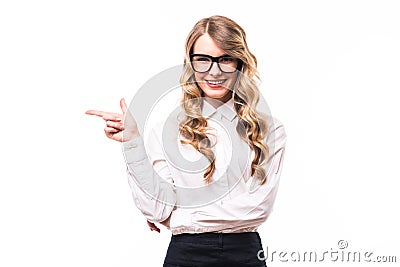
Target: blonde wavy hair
{"x": 252, "y": 126}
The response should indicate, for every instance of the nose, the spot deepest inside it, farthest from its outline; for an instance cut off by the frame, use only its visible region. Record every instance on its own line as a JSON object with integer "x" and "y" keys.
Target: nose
{"x": 215, "y": 71}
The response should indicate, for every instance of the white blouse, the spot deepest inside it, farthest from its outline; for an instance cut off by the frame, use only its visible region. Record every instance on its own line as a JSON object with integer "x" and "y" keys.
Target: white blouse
{"x": 166, "y": 177}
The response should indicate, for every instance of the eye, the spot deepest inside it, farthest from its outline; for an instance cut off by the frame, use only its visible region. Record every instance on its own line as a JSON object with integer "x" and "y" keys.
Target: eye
{"x": 226, "y": 60}
{"x": 203, "y": 59}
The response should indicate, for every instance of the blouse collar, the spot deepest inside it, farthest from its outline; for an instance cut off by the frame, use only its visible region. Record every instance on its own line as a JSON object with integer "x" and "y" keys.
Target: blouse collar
{"x": 227, "y": 110}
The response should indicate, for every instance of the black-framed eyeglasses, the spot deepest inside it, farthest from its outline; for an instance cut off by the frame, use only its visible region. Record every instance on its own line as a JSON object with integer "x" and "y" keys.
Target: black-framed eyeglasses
{"x": 203, "y": 63}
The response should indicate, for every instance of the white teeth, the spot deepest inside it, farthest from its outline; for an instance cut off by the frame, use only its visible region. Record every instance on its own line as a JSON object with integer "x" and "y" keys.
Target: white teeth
{"x": 215, "y": 82}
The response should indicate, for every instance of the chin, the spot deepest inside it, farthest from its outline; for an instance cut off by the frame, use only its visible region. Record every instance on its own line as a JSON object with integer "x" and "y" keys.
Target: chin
{"x": 215, "y": 93}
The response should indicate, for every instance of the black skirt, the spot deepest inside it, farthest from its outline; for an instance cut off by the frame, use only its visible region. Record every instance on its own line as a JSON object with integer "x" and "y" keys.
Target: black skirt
{"x": 215, "y": 249}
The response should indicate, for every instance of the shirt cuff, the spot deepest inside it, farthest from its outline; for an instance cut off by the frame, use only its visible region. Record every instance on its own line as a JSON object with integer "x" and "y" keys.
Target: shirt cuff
{"x": 134, "y": 150}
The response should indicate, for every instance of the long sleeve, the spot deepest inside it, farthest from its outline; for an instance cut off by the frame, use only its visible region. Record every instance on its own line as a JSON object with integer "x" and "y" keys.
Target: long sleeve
{"x": 149, "y": 178}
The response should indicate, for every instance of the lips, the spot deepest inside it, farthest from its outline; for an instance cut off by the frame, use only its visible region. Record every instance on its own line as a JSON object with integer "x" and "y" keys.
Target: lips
{"x": 215, "y": 83}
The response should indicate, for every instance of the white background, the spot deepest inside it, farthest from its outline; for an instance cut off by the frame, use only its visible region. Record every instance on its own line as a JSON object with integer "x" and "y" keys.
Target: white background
{"x": 330, "y": 73}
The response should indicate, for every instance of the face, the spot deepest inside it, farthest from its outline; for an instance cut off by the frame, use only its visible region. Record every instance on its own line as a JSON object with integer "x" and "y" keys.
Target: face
{"x": 214, "y": 83}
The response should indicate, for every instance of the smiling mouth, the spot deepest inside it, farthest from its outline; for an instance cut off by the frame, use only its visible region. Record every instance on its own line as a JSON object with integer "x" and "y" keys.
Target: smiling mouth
{"x": 215, "y": 82}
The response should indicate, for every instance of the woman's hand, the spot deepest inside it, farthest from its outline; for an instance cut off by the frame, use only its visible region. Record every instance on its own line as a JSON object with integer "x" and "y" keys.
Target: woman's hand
{"x": 153, "y": 227}
{"x": 119, "y": 127}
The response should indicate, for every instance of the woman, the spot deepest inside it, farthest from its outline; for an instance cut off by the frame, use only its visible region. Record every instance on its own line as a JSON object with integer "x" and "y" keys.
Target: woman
{"x": 213, "y": 169}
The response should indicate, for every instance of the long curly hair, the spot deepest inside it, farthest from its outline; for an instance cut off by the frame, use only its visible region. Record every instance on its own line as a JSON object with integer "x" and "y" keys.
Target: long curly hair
{"x": 252, "y": 126}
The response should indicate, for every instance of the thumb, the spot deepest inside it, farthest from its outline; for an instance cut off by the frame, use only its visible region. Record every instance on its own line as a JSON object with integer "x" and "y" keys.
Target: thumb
{"x": 123, "y": 105}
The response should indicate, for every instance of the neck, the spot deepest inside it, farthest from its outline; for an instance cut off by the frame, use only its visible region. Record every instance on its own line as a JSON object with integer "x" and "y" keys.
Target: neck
{"x": 216, "y": 102}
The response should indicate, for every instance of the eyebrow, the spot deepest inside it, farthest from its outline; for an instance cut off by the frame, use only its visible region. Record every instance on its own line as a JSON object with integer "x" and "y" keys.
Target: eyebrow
{"x": 201, "y": 54}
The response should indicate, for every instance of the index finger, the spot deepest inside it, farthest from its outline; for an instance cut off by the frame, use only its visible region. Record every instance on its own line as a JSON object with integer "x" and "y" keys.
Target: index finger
{"x": 98, "y": 113}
